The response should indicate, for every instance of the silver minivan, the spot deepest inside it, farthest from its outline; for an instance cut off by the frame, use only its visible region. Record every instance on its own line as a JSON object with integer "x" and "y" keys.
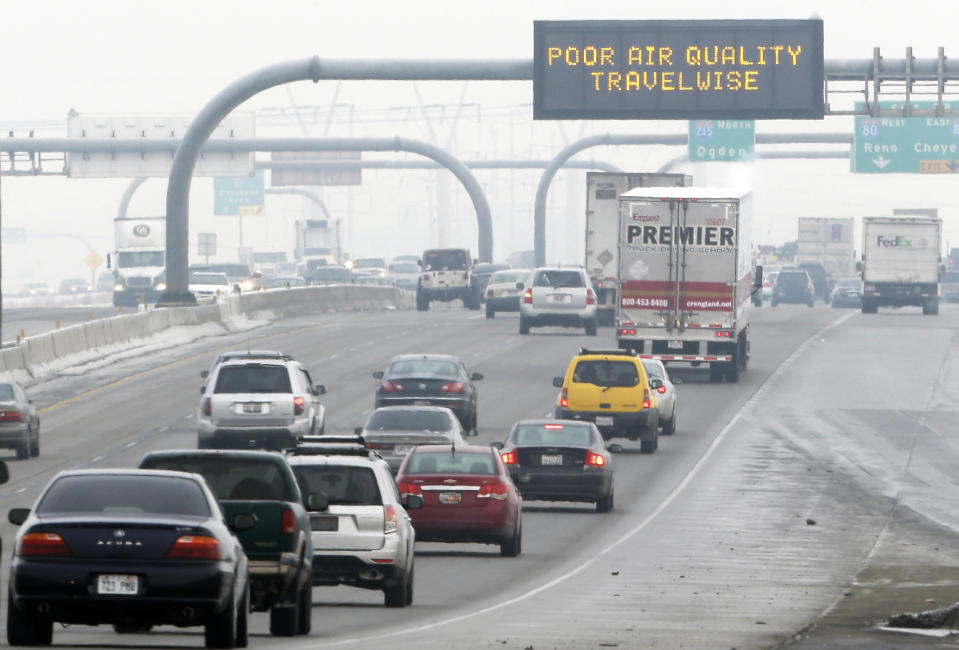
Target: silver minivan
{"x": 557, "y": 296}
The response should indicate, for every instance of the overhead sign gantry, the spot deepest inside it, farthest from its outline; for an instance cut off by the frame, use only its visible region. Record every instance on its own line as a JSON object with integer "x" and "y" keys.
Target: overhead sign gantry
{"x": 678, "y": 69}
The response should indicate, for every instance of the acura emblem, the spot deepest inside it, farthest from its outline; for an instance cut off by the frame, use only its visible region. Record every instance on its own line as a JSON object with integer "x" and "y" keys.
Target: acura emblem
{"x": 119, "y": 533}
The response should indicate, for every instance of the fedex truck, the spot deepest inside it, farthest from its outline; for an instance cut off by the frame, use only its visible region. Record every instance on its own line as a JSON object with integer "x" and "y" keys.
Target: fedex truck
{"x": 139, "y": 260}
{"x": 901, "y": 263}
{"x": 686, "y": 277}
{"x": 602, "y": 230}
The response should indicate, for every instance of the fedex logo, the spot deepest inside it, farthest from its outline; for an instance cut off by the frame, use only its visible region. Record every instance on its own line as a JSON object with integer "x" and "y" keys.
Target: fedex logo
{"x": 893, "y": 242}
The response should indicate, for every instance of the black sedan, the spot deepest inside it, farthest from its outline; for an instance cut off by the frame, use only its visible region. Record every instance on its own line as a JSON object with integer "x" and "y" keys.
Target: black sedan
{"x": 847, "y": 293}
{"x": 429, "y": 380}
{"x": 559, "y": 460}
{"x": 131, "y": 548}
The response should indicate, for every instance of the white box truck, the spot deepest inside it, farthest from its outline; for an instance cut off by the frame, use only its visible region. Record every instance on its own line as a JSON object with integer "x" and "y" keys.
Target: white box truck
{"x": 602, "y": 230}
{"x": 901, "y": 263}
{"x": 139, "y": 260}
{"x": 826, "y": 251}
{"x": 686, "y": 277}
{"x": 317, "y": 244}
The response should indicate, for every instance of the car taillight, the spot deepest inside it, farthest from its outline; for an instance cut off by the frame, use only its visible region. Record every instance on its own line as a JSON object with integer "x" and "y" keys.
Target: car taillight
{"x": 646, "y": 403}
{"x": 207, "y": 406}
{"x": 594, "y": 460}
{"x": 195, "y": 547}
{"x": 408, "y": 488}
{"x": 453, "y": 387}
{"x": 387, "y": 386}
{"x": 528, "y": 297}
{"x": 661, "y": 390}
{"x": 509, "y": 458}
{"x": 379, "y": 445}
{"x": 590, "y": 297}
{"x": 289, "y": 521}
{"x": 298, "y": 403}
{"x": 47, "y": 544}
{"x": 564, "y": 397}
{"x": 390, "y": 524}
{"x": 498, "y": 491}
{"x": 11, "y": 416}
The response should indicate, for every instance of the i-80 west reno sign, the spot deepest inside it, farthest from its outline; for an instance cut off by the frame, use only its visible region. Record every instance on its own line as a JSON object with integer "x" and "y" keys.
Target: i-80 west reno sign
{"x": 678, "y": 69}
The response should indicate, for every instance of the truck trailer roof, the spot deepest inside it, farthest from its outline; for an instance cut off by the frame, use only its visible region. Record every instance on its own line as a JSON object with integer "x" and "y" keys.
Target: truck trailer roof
{"x": 686, "y": 193}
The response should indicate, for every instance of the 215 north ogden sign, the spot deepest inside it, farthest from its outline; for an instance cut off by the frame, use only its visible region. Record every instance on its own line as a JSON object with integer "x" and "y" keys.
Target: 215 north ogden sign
{"x": 678, "y": 69}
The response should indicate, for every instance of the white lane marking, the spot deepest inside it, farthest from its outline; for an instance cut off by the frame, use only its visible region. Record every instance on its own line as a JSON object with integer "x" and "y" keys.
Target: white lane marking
{"x": 165, "y": 427}
{"x": 130, "y": 444}
{"x": 690, "y": 475}
{"x": 96, "y": 459}
{"x": 20, "y": 490}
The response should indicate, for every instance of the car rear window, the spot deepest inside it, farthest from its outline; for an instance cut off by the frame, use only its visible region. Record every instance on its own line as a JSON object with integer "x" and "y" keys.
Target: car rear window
{"x": 508, "y": 276}
{"x": 253, "y": 378}
{"x": 445, "y": 260}
{"x": 654, "y": 370}
{"x": 418, "y": 367}
{"x": 401, "y": 420}
{"x": 557, "y": 279}
{"x": 553, "y": 434}
{"x": 606, "y": 373}
{"x": 125, "y": 494}
{"x": 848, "y": 283}
{"x": 343, "y": 485}
{"x": 242, "y": 479}
{"x": 793, "y": 280}
{"x": 6, "y": 392}
{"x": 451, "y": 463}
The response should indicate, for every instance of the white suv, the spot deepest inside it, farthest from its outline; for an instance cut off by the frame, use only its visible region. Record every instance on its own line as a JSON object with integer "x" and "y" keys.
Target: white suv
{"x": 363, "y": 538}
{"x": 259, "y": 403}
{"x": 557, "y": 296}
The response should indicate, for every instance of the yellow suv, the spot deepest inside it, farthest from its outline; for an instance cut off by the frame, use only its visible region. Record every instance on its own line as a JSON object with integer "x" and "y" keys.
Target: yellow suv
{"x": 611, "y": 389}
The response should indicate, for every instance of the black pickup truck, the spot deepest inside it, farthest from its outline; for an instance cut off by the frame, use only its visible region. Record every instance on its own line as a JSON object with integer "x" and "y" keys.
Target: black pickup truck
{"x": 279, "y": 546}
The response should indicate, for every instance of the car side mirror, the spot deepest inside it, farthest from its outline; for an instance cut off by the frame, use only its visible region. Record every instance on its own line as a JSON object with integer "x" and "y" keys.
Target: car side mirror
{"x": 317, "y": 502}
{"x": 496, "y": 444}
{"x": 243, "y": 521}
{"x": 758, "y": 280}
{"x": 378, "y": 374}
{"x": 520, "y": 286}
{"x": 358, "y": 430}
{"x": 677, "y": 380}
{"x": 202, "y": 389}
{"x": 4, "y": 472}
{"x": 476, "y": 376}
{"x": 413, "y": 502}
{"x": 17, "y": 516}
{"x": 319, "y": 389}
{"x": 656, "y": 383}
{"x": 558, "y": 382}
{"x": 204, "y": 374}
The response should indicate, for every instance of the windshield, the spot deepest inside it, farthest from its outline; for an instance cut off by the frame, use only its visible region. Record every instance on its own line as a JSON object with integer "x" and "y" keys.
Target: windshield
{"x": 404, "y": 267}
{"x": 343, "y": 486}
{"x": 452, "y": 260}
{"x": 327, "y": 273}
{"x": 209, "y": 278}
{"x": 233, "y": 271}
{"x": 403, "y": 420}
{"x": 451, "y": 463}
{"x": 128, "y": 259}
{"x": 253, "y": 378}
{"x": 158, "y": 495}
{"x": 232, "y": 478}
{"x": 369, "y": 263}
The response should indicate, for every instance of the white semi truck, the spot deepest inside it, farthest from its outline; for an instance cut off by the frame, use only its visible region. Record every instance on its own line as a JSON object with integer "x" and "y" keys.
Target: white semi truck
{"x": 901, "y": 263}
{"x": 139, "y": 260}
{"x": 317, "y": 243}
{"x": 602, "y": 230}
{"x": 686, "y": 277}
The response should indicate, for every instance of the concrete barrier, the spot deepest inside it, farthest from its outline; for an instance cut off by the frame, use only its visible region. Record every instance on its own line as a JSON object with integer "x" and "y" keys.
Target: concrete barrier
{"x": 69, "y": 340}
{"x": 38, "y": 350}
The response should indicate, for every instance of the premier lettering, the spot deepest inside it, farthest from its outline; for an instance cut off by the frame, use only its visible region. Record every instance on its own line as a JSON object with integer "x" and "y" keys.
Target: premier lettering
{"x": 893, "y": 242}
{"x": 681, "y": 235}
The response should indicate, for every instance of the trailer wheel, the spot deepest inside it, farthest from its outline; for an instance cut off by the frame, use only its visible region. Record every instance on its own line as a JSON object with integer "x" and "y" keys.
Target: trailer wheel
{"x": 869, "y": 306}
{"x": 715, "y": 373}
{"x": 930, "y": 308}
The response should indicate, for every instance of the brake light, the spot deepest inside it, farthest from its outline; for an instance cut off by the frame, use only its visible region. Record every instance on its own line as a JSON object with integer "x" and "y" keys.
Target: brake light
{"x": 661, "y": 390}
{"x": 509, "y": 458}
{"x": 594, "y": 460}
{"x": 408, "y": 488}
{"x": 11, "y": 416}
{"x": 195, "y": 547}
{"x": 390, "y": 524}
{"x": 564, "y": 397}
{"x": 453, "y": 387}
{"x": 724, "y": 334}
{"x": 627, "y": 332}
{"x": 378, "y": 445}
{"x": 552, "y": 426}
{"x": 46, "y": 544}
{"x": 289, "y": 521}
{"x": 528, "y": 297}
{"x": 298, "y": 403}
{"x": 207, "y": 406}
{"x": 590, "y": 297}
{"x": 498, "y": 491}
{"x": 646, "y": 403}
{"x": 388, "y": 386}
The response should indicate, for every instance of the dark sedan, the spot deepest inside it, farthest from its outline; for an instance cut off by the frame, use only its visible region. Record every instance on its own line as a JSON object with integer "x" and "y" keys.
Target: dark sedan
{"x": 847, "y": 293}
{"x": 132, "y": 548}
{"x": 560, "y": 460}
{"x": 429, "y": 380}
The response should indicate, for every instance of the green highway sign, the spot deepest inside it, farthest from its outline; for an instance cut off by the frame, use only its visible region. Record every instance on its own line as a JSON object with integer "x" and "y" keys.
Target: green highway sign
{"x": 912, "y": 145}
{"x": 236, "y": 195}
{"x": 722, "y": 140}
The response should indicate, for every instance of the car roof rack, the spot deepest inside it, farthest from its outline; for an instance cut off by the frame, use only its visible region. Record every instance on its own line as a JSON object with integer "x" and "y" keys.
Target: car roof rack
{"x": 347, "y": 445}
{"x": 616, "y": 351}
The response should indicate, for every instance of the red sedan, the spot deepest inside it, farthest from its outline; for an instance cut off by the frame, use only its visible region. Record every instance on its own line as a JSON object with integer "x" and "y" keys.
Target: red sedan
{"x": 467, "y": 496}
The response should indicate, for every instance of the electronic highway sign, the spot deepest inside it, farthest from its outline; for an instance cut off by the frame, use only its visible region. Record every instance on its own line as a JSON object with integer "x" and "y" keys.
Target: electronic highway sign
{"x": 678, "y": 69}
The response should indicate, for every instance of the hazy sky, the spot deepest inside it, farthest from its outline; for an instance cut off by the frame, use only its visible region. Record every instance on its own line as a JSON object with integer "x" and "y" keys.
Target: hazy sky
{"x": 126, "y": 58}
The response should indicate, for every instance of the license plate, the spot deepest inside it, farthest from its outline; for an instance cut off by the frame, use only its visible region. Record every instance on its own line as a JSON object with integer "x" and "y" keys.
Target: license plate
{"x": 547, "y": 459}
{"x": 119, "y": 585}
{"x": 450, "y": 497}
{"x": 675, "y": 345}
{"x": 559, "y": 297}
{"x": 402, "y": 450}
{"x": 252, "y": 407}
{"x": 604, "y": 420}
{"x": 324, "y": 523}
{"x": 421, "y": 402}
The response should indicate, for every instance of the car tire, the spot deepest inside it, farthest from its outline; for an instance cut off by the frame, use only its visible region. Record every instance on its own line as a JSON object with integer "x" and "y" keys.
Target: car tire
{"x": 422, "y": 301}
{"x": 715, "y": 373}
{"x": 774, "y": 303}
{"x": 23, "y": 447}
{"x": 930, "y": 308}
{"x": 649, "y": 446}
{"x": 283, "y": 620}
{"x": 304, "y": 606}
{"x": 869, "y": 307}
{"x": 605, "y": 503}
{"x": 35, "y": 444}
{"x": 474, "y": 300}
{"x": 732, "y": 370}
{"x": 514, "y": 545}
{"x": 669, "y": 426}
{"x": 409, "y": 587}
{"x": 523, "y": 326}
{"x": 243, "y": 619}
{"x": 591, "y": 328}
{"x": 812, "y": 302}
{"x": 220, "y": 629}
{"x": 490, "y": 313}
{"x": 395, "y": 596}
{"x": 25, "y": 627}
